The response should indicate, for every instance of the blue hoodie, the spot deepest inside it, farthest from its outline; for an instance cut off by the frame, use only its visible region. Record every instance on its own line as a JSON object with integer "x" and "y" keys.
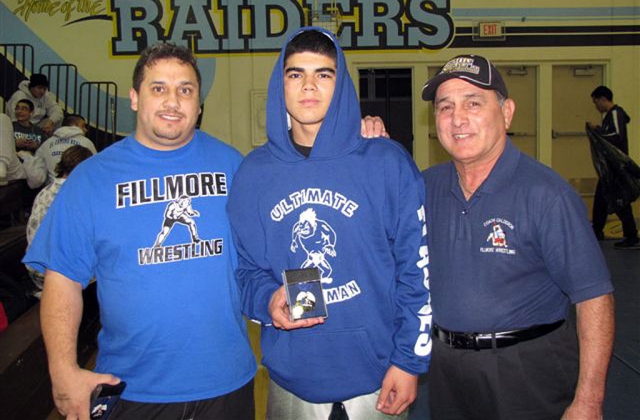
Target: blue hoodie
{"x": 352, "y": 208}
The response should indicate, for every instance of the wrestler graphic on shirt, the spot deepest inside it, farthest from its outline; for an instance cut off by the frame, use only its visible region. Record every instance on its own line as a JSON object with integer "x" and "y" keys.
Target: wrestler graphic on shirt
{"x": 497, "y": 237}
{"x": 317, "y": 239}
{"x": 178, "y": 211}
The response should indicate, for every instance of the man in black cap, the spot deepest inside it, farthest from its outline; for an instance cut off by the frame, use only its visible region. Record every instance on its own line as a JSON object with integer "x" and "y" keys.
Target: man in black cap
{"x": 47, "y": 113}
{"x": 511, "y": 249}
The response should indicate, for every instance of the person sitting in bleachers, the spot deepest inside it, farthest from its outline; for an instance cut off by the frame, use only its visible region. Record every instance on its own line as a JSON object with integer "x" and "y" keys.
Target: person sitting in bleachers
{"x": 28, "y": 135}
{"x": 47, "y": 113}
{"x": 21, "y": 174}
{"x": 71, "y": 157}
{"x": 11, "y": 167}
{"x": 72, "y": 132}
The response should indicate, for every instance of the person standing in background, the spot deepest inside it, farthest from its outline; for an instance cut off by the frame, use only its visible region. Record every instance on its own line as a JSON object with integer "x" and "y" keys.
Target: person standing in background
{"x": 68, "y": 161}
{"x": 613, "y": 129}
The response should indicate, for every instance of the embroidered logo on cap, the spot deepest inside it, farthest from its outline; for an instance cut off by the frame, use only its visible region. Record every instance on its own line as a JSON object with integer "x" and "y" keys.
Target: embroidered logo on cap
{"x": 461, "y": 64}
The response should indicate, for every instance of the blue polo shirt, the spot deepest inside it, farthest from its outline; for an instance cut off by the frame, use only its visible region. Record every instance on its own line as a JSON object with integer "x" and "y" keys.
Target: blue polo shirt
{"x": 517, "y": 254}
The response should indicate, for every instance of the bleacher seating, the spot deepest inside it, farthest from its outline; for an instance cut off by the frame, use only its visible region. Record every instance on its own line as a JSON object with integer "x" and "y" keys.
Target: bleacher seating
{"x": 25, "y": 386}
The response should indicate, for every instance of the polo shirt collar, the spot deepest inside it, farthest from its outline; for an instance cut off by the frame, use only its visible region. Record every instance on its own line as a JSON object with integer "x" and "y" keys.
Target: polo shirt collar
{"x": 500, "y": 176}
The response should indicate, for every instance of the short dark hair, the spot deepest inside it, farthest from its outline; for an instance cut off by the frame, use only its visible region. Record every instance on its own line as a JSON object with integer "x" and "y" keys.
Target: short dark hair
{"x": 71, "y": 157}
{"x": 73, "y": 119}
{"x": 162, "y": 51}
{"x": 28, "y": 102}
{"x": 602, "y": 92}
{"x": 311, "y": 41}
{"x": 38, "y": 79}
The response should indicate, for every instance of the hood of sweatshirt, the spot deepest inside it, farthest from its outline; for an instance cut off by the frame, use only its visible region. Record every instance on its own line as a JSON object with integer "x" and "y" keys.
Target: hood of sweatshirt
{"x": 625, "y": 117}
{"x": 68, "y": 132}
{"x": 24, "y": 88}
{"x": 340, "y": 130}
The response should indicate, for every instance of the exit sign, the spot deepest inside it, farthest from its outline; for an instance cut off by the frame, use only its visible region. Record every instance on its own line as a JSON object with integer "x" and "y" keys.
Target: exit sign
{"x": 490, "y": 31}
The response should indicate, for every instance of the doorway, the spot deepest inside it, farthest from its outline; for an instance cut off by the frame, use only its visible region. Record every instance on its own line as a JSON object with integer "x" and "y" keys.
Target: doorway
{"x": 387, "y": 93}
{"x": 572, "y": 108}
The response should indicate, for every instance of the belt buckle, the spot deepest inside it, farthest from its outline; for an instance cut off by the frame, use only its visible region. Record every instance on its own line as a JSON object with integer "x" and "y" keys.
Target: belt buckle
{"x": 457, "y": 341}
{"x": 464, "y": 341}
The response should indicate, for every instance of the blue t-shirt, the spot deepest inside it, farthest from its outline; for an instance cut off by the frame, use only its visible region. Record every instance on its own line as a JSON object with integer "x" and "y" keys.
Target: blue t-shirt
{"x": 151, "y": 227}
{"x": 517, "y": 254}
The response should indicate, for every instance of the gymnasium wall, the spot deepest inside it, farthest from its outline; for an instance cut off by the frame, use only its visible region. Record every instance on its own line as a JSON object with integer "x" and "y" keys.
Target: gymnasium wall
{"x": 552, "y": 54}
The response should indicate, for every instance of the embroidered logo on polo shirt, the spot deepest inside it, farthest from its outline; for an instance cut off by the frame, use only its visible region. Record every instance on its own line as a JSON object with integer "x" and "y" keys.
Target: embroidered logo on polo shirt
{"x": 498, "y": 232}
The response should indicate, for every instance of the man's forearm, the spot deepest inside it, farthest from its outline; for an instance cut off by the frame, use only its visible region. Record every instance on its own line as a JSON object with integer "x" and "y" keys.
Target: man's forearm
{"x": 60, "y": 315}
{"x": 596, "y": 326}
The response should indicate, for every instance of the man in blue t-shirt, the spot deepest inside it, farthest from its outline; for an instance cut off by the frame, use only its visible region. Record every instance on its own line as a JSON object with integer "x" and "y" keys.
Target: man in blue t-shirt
{"x": 511, "y": 249}
{"x": 172, "y": 328}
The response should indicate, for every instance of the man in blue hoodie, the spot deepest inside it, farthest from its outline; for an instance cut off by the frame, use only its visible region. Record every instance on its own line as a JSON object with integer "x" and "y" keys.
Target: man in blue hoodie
{"x": 362, "y": 202}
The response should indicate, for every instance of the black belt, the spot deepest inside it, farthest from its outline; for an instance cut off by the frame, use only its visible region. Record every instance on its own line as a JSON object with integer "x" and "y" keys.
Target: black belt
{"x": 479, "y": 341}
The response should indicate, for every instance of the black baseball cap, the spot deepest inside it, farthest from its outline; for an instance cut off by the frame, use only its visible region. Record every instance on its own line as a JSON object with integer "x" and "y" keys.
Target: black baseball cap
{"x": 38, "y": 79}
{"x": 474, "y": 69}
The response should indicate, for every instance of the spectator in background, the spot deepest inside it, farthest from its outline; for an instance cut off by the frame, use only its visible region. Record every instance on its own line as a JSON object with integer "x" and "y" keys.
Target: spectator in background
{"x": 12, "y": 168}
{"x": 72, "y": 133}
{"x": 614, "y": 130}
{"x": 28, "y": 135}
{"x": 70, "y": 158}
{"x": 47, "y": 112}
